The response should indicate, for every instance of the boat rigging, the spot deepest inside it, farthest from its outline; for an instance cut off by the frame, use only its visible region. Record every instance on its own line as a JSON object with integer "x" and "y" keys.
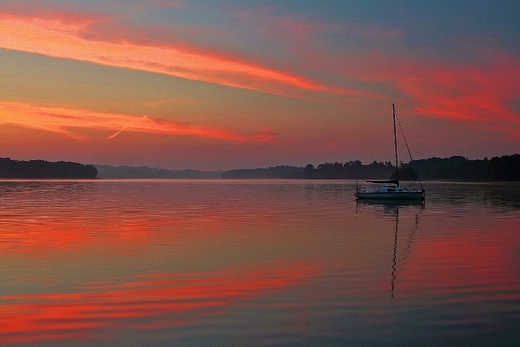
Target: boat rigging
{"x": 392, "y": 188}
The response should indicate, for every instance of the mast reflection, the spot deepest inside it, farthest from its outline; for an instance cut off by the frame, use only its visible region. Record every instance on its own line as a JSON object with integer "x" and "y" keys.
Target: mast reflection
{"x": 392, "y": 208}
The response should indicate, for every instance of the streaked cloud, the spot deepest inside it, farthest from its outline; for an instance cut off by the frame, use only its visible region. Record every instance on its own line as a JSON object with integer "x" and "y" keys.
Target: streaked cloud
{"x": 59, "y": 36}
{"x": 64, "y": 120}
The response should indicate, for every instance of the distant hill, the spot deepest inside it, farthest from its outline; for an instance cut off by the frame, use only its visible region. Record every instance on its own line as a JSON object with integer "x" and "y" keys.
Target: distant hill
{"x": 10, "y": 168}
{"x": 271, "y": 172}
{"x": 107, "y": 171}
{"x": 505, "y": 168}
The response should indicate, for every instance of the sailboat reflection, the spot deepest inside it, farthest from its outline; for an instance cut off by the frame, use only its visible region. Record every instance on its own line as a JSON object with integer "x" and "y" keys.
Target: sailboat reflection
{"x": 392, "y": 208}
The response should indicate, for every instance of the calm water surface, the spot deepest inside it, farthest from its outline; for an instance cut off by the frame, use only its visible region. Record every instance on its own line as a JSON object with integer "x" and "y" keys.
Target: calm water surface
{"x": 256, "y": 263}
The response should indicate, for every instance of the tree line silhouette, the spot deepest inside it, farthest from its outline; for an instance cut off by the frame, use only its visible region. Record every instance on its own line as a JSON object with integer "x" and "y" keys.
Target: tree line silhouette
{"x": 44, "y": 169}
{"x": 504, "y": 168}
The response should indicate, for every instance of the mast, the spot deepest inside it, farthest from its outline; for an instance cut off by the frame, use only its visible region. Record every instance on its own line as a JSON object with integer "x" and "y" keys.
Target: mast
{"x": 395, "y": 146}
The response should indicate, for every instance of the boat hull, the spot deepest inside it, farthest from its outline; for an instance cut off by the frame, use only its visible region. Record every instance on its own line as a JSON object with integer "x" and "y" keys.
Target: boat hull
{"x": 391, "y": 196}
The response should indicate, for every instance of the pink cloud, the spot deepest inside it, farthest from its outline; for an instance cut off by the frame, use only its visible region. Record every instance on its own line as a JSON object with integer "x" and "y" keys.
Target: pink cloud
{"x": 169, "y": 3}
{"x": 53, "y": 19}
{"x": 473, "y": 92}
{"x": 295, "y": 28}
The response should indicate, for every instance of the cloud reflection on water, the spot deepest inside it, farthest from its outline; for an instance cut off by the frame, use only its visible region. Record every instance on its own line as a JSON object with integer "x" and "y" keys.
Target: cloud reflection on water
{"x": 143, "y": 302}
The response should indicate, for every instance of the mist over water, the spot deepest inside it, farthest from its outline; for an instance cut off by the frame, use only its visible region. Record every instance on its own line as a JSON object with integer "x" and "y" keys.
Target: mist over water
{"x": 256, "y": 263}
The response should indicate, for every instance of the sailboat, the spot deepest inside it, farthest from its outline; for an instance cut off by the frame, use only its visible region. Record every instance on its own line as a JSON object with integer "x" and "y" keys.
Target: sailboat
{"x": 392, "y": 189}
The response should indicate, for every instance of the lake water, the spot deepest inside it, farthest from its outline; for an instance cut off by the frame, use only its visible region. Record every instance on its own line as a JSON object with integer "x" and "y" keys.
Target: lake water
{"x": 256, "y": 263}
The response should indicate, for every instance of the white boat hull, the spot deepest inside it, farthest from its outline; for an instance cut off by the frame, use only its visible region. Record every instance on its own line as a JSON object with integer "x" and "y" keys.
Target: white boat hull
{"x": 391, "y": 195}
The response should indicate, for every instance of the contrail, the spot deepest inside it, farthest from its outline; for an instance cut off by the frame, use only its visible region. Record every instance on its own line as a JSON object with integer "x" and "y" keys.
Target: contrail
{"x": 117, "y": 133}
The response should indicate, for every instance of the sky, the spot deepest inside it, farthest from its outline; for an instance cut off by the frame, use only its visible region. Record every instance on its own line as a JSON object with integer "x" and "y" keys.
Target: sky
{"x": 218, "y": 85}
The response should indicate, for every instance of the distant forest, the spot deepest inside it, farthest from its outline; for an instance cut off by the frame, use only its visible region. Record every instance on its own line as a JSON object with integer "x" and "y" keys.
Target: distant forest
{"x": 44, "y": 169}
{"x": 107, "y": 171}
{"x": 505, "y": 168}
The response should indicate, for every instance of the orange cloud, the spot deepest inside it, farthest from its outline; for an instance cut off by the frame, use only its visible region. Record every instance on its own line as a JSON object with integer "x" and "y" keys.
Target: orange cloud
{"x": 52, "y": 36}
{"x": 62, "y": 120}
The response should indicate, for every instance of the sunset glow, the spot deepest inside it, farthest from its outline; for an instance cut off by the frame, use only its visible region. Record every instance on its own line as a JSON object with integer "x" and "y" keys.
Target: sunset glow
{"x": 307, "y": 83}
